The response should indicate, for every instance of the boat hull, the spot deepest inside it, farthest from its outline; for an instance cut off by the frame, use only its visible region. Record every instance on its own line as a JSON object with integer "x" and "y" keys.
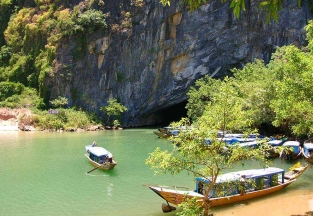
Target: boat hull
{"x": 104, "y": 166}
{"x": 308, "y": 158}
{"x": 307, "y": 150}
{"x": 176, "y": 197}
{"x": 290, "y": 155}
{"x": 161, "y": 134}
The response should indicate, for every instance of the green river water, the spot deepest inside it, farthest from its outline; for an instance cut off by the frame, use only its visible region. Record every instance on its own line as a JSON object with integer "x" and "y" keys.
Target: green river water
{"x": 45, "y": 173}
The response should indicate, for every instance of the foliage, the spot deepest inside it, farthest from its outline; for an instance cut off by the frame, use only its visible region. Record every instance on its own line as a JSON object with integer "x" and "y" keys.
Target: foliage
{"x": 114, "y": 108}
{"x": 33, "y": 35}
{"x": 200, "y": 95}
{"x": 66, "y": 119}
{"x": 59, "y": 102}
{"x": 27, "y": 98}
{"x": 91, "y": 20}
{"x": 5, "y": 55}
{"x": 116, "y": 123}
{"x": 271, "y": 6}
{"x": 255, "y": 84}
{"x": 7, "y": 89}
{"x": 190, "y": 207}
{"x": 6, "y": 9}
{"x": 251, "y": 97}
{"x": 309, "y": 30}
{"x": 293, "y": 104}
{"x": 21, "y": 69}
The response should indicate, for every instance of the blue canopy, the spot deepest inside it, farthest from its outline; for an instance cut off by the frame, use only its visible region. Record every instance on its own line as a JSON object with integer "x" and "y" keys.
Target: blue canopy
{"x": 253, "y": 173}
{"x": 98, "y": 151}
{"x": 291, "y": 143}
{"x": 308, "y": 146}
{"x": 275, "y": 142}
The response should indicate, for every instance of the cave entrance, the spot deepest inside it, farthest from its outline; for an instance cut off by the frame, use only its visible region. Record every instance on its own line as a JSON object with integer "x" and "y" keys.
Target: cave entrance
{"x": 172, "y": 113}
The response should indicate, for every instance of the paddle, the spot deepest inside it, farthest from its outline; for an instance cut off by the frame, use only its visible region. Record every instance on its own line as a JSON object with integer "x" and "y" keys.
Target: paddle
{"x": 94, "y": 169}
{"x": 164, "y": 186}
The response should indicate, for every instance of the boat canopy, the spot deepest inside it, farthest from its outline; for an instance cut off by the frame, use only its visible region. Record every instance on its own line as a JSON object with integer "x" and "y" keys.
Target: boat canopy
{"x": 275, "y": 142}
{"x": 98, "y": 151}
{"x": 249, "y": 144}
{"x": 308, "y": 146}
{"x": 291, "y": 143}
{"x": 253, "y": 173}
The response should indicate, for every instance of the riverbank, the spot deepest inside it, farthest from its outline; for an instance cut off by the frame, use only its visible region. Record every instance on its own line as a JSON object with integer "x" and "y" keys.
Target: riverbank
{"x": 10, "y": 120}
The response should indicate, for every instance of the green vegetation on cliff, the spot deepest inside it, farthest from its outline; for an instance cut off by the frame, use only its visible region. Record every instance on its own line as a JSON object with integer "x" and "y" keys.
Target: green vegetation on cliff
{"x": 272, "y": 7}
{"x": 32, "y": 35}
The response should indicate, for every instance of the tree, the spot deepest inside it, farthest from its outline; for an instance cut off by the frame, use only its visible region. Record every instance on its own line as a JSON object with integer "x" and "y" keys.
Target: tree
{"x": 200, "y": 95}
{"x": 293, "y": 103}
{"x": 271, "y": 6}
{"x": 59, "y": 102}
{"x": 255, "y": 84}
{"x": 223, "y": 112}
{"x": 114, "y": 108}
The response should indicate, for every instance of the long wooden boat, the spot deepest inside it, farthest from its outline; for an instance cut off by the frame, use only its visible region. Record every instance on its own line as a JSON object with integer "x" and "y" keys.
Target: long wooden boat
{"x": 267, "y": 181}
{"x": 100, "y": 157}
{"x": 295, "y": 151}
{"x": 307, "y": 150}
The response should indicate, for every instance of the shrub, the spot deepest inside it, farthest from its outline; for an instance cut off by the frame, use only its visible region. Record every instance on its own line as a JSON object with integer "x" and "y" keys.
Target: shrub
{"x": 8, "y": 89}
{"x": 28, "y": 98}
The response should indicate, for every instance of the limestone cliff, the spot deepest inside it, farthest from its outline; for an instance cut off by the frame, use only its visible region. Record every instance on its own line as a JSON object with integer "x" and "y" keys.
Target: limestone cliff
{"x": 151, "y": 54}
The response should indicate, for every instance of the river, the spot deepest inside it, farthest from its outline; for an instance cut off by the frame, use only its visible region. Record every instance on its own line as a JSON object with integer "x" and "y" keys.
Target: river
{"x": 45, "y": 173}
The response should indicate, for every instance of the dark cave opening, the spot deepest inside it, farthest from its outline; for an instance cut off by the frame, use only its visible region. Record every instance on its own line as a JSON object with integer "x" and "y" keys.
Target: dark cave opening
{"x": 172, "y": 113}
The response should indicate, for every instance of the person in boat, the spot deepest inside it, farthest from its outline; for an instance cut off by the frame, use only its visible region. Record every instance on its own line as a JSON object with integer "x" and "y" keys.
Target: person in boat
{"x": 94, "y": 144}
{"x": 110, "y": 160}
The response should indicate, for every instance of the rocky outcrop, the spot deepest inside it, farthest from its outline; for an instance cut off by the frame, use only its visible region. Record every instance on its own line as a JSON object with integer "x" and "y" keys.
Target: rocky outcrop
{"x": 9, "y": 119}
{"x": 150, "y": 56}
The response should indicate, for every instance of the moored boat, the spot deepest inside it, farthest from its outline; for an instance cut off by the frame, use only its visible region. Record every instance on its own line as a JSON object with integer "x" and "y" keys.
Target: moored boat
{"x": 274, "y": 151}
{"x": 307, "y": 151}
{"x": 251, "y": 144}
{"x": 99, "y": 157}
{"x": 166, "y": 132}
{"x": 294, "y": 152}
{"x": 267, "y": 181}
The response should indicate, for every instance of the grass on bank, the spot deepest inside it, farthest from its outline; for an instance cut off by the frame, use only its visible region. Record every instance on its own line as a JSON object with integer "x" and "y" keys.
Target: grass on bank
{"x": 66, "y": 119}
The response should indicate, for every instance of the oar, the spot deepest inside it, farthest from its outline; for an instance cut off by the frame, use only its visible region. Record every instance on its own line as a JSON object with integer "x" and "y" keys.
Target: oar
{"x": 94, "y": 169}
{"x": 164, "y": 186}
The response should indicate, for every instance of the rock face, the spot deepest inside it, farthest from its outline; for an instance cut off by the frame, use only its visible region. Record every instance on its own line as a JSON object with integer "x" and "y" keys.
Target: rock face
{"x": 150, "y": 56}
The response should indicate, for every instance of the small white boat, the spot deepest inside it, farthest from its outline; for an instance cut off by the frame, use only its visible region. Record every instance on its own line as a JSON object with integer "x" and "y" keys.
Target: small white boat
{"x": 99, "y": 157}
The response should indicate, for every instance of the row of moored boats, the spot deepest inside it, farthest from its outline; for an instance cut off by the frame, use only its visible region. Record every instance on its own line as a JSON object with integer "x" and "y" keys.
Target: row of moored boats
{"x": 294, "y": 150}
